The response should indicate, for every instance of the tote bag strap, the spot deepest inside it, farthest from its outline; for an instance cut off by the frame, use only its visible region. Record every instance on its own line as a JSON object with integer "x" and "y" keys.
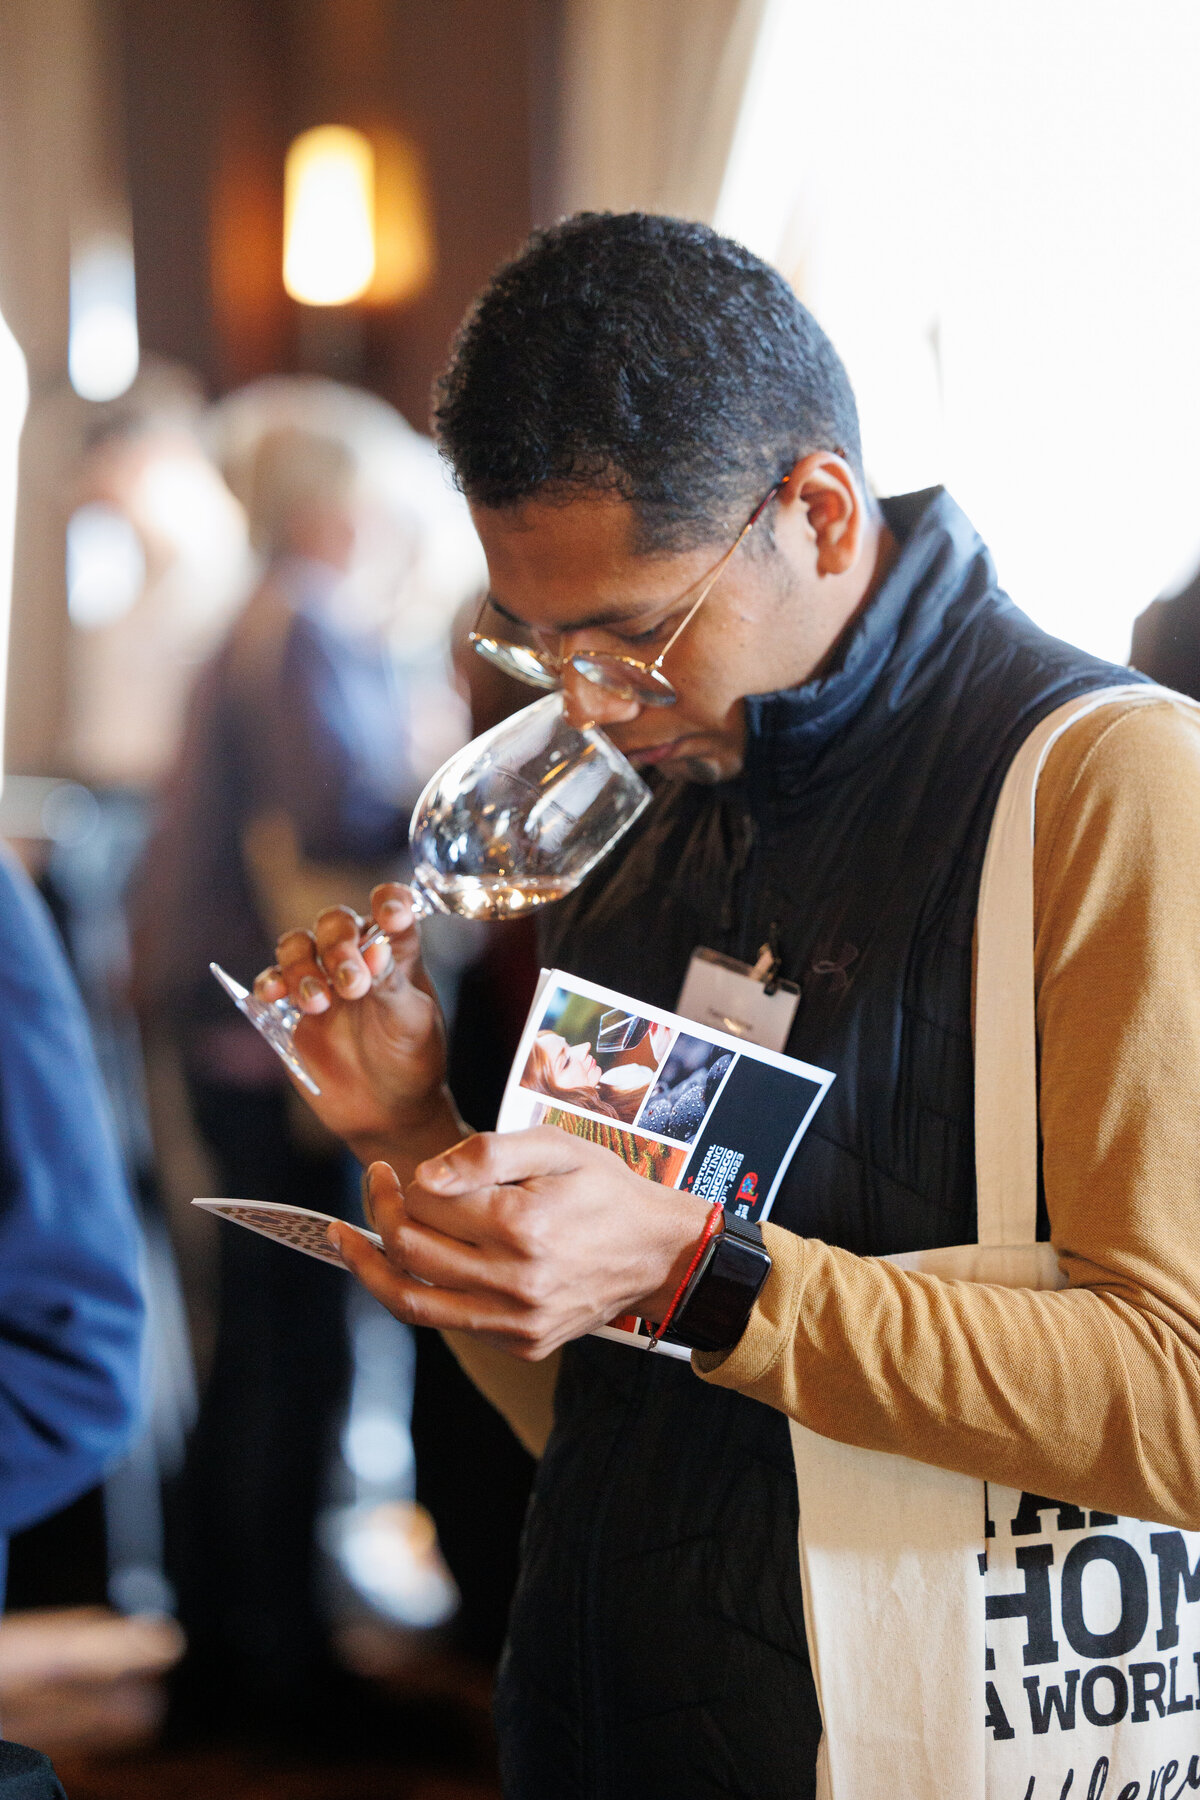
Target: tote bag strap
{"x": 1006, "y": 1098}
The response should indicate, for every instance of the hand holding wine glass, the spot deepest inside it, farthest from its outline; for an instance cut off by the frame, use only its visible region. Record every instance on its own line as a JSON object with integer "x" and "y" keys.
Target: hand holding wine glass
{"x": 367, "y": 1025}
{"x": 512, "y": 822}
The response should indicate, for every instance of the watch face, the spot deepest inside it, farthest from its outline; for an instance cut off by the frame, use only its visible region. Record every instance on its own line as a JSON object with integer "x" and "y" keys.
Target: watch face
{"x": 720, "y": 1298}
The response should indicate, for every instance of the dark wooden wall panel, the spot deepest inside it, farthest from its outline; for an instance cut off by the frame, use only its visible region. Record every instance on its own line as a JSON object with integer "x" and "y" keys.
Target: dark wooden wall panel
{"x": 476, "y": 128}
{"x": 214, "y": 90}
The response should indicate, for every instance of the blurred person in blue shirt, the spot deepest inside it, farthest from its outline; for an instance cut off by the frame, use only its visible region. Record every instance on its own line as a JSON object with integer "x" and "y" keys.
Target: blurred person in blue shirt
{"x": 307, "y": 738}
{"x": 71, "y": 1310}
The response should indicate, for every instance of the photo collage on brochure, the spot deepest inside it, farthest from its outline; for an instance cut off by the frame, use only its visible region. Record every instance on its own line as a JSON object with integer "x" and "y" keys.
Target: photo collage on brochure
{"x": 678, "y": 1103}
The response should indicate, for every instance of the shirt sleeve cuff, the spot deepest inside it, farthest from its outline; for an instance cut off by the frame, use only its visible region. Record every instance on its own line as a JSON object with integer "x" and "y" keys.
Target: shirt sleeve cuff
{"x": 772, "y": 1324}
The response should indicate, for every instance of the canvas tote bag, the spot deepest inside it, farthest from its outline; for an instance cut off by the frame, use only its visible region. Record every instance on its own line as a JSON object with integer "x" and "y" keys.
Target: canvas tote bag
{"x": 969, "y": 1641}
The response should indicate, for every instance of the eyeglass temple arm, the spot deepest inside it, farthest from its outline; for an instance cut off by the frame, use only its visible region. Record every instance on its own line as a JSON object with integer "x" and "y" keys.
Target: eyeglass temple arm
{"x": 717, "y": 573}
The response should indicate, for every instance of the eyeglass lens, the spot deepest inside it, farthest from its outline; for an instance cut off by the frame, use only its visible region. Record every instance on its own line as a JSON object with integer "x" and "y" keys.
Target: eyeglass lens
{"x": 516, "y": 659}
{"x": 619, "y": 675}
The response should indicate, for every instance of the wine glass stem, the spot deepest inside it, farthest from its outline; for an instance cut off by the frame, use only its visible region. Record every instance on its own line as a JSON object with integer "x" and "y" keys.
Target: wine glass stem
{"x": 288, "y": 1012}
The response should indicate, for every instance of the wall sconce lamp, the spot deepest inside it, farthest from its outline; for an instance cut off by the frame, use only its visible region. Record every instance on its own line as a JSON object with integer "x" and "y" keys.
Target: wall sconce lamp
{"x": 356, "y": 219}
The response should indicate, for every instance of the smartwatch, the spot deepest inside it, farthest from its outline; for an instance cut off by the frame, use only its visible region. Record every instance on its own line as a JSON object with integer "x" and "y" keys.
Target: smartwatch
{"x": 719, "y": 1299}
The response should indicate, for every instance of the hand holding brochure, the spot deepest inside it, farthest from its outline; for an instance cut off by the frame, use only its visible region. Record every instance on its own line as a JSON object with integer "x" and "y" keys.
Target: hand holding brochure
{"x": 678, "y": 1102}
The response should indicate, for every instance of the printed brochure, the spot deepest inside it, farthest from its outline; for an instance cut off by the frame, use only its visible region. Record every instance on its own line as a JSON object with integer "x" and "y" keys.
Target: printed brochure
{"x": 678, "y": 1102}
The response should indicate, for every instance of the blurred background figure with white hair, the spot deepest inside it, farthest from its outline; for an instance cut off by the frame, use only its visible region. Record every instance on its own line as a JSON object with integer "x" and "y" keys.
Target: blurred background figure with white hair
{"x": 157, "y": 564}
{"x": 307, "y": 737}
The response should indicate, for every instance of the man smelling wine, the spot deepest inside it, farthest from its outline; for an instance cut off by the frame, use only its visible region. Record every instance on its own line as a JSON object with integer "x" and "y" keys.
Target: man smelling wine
{"x": 626, "y": 398}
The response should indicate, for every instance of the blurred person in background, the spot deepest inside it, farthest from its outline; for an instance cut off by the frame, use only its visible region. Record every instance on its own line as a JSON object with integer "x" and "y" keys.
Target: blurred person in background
{"x": 156, "y": 559}
{"x": 306, "y": 740}
{"x": 158, "y": 562}
{"x": 71, "y": 1309}
{"x": 1166, "y": 640}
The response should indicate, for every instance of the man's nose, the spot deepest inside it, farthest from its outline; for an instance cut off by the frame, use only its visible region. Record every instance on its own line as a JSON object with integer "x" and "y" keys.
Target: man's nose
{"x": 586, "y": 703}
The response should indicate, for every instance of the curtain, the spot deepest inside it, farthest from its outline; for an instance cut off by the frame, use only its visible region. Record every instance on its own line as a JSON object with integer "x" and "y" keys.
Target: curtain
{"x": 651, "y": 93}
{"x": 56, "y": 176}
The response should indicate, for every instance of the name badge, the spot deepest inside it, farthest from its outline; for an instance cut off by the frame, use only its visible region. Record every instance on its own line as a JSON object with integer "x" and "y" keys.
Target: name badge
{"x": 745, "y": 1000}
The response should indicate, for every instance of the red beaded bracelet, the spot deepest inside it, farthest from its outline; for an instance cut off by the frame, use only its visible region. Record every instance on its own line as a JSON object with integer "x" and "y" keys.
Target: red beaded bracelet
{"x": 711, "y": 1224}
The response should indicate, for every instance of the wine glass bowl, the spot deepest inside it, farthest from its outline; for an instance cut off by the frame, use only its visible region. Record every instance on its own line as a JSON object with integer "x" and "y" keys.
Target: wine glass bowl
{"x": 520, "y": 816}
{"x": 513, "y": 821}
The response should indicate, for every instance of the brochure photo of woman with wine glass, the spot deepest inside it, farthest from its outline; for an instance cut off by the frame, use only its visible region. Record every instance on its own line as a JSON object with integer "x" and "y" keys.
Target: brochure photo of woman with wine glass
{"x": 600, "y": 1058}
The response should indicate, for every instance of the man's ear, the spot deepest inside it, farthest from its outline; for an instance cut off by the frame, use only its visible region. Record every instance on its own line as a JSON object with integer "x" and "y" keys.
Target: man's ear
{"x": 823, "y": 484}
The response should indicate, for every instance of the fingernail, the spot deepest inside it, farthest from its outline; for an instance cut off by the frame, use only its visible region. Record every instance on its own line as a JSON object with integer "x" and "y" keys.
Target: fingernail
{"x": 396, "y": 911}
{"x": 345, "y": 976}
{"x": 438, "y": 1175}
{"x": 312, "y": 989}
{"x": 333, "y": 1233}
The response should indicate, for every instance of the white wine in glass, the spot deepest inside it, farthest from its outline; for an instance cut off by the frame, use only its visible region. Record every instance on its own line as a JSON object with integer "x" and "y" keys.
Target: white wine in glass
{"x": 513, "y": 821}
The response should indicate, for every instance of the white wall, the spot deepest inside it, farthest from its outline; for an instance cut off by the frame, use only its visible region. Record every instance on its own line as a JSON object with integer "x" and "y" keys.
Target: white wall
{"x": 995, "y": 212}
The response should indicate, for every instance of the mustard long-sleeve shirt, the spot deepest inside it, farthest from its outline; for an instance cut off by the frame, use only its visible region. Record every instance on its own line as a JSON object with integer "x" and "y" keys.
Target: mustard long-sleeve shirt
{"x": 1092, "y": 1393}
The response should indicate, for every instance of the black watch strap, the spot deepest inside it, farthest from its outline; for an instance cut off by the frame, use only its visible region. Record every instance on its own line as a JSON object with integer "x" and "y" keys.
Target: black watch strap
{"x": 719, "y": 1299}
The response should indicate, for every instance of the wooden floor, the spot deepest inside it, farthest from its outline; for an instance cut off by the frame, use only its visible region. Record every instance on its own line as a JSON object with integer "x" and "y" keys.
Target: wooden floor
{"x": 89, "y": 1688}
{"x": 239, "y": 1775}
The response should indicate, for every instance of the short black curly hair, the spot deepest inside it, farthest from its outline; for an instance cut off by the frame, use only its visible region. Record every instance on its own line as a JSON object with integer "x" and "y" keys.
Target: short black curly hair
{"x": 649, "y": 356}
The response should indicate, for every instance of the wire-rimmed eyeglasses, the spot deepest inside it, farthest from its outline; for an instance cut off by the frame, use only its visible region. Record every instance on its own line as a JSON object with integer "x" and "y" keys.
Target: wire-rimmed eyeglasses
{"x": 626, "y": 676}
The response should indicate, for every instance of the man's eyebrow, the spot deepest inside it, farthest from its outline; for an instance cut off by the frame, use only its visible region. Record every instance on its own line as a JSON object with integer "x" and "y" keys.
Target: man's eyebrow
{"x": 595, "y": 622}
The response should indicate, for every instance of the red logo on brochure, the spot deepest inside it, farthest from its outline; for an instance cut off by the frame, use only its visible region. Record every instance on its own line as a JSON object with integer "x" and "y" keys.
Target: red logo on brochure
{"x": 749, "y": 1187}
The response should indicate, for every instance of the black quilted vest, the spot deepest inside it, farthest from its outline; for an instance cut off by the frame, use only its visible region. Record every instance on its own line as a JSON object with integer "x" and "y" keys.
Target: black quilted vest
{"x": 656, "y": 1647}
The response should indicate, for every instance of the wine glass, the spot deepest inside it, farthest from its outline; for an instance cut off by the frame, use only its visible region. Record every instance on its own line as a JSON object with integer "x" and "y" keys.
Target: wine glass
{"x": 619, "y": 1031}
{"x": 513, "y": 821}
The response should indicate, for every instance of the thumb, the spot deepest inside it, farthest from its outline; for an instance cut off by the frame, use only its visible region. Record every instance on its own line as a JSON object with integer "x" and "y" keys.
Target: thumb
{"x": 357, "y": 1252}
{"x": 490, "y": 1158}
{"x": 383, "y": 1197}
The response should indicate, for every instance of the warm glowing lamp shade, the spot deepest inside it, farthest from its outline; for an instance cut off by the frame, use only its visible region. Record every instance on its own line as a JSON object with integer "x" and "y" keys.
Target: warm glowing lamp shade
{"x": 329, "y": 216}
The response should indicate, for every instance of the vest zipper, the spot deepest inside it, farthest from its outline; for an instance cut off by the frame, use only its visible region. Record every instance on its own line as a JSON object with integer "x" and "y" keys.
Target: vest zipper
{"x": 743, "y": 872}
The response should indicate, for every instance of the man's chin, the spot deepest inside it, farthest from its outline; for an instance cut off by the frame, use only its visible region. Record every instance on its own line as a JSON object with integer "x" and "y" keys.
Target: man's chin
{"x": 695, "y": 757}
{"x": 706, "y": 771}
